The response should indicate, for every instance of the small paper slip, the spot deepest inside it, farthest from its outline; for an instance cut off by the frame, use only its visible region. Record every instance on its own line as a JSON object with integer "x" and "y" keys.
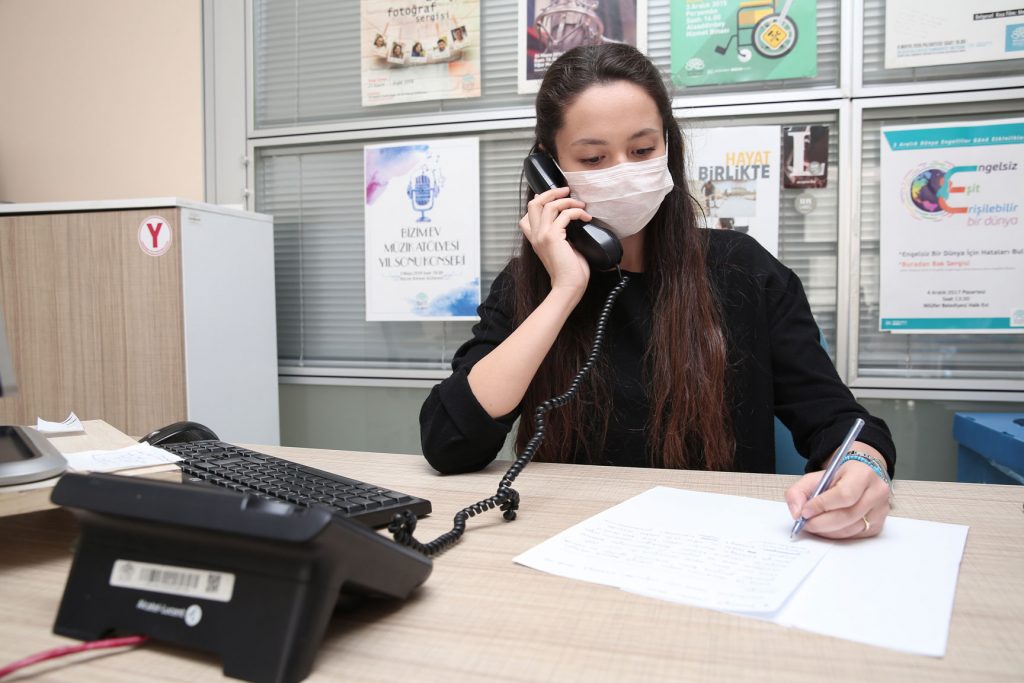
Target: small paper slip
{"x": 70, "y": 425}
{"x": 131, "y": 457}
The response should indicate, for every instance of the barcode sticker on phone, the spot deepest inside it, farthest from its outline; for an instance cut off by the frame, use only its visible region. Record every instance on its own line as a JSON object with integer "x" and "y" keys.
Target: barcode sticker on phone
{"x": 162, "y": 578}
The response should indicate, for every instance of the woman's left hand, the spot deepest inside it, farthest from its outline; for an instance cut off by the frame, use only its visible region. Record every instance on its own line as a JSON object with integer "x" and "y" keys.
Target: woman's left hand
{"x": 854, "y": 506}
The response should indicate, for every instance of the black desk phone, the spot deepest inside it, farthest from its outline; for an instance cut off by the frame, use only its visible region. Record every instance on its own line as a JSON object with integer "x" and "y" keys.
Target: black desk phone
{"x": 253, "y": 580}
{"x": 594, "y": 240}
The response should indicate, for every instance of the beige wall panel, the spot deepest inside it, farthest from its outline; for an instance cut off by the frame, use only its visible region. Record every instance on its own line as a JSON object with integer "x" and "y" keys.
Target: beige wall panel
{"x": 94, "y": 322}
{"x": 100, "y": 100}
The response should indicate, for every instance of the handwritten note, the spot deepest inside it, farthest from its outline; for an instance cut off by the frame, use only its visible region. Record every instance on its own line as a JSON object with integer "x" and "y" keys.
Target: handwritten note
{"x": 139, "y": 455}
{"x": 734, "y": 554}
{"x": 735, "y": 562}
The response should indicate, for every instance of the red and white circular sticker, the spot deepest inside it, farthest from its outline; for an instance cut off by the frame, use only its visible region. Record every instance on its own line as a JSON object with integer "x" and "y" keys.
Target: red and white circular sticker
{"x": 155, "y": 235}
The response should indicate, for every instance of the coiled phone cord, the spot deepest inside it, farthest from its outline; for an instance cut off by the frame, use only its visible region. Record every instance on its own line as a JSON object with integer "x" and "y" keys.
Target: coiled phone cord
{"x": 507, "y": 498}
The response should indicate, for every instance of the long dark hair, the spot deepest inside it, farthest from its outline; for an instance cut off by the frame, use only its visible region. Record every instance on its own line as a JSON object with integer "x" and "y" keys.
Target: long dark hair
{"x": 685, "y": 365}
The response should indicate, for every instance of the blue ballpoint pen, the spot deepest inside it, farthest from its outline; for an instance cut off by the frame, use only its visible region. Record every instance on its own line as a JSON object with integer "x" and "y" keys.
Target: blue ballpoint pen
{"x": 830, "y": 471}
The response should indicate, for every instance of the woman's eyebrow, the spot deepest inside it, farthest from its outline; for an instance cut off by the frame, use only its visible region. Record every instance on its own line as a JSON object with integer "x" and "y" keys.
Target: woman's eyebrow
{"x": 598, "y": 141}
{"x": 645, "y": 131}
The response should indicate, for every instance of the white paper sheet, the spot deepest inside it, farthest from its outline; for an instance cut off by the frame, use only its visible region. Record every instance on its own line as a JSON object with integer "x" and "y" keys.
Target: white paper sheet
{"x": 70, "y": 425}
{"x": 734, "y": 554}
{"x": 131, "y": 457}
{"x": 895, "y": 590}
{"x": 721, "y": 552}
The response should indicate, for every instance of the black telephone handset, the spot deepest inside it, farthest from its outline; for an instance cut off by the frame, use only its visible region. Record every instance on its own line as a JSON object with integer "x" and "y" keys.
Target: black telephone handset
{"x": 594, "y": 240}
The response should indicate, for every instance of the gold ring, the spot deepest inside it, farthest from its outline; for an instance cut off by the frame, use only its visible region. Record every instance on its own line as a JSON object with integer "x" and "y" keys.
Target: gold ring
{"x": 867, "y": 524}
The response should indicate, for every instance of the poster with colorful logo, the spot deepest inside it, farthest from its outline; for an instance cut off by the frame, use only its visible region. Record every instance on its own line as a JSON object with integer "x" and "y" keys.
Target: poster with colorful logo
{"x": 734, "y": 174}
{"x": 732, "y": 41}
{"x": 422, "y": 221}
{"x": 548, "y": 28}
{"x": 419, "y": 51}
{"x": 952, "y": 228}
{"x": 930, "y": 32}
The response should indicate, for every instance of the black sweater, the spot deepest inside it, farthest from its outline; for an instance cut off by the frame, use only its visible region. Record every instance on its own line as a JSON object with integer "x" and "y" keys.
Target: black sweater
{"x": 777, "y": 366}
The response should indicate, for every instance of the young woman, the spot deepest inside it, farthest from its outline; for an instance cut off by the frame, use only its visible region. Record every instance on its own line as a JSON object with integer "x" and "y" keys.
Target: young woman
{"x": 711, "y": 338}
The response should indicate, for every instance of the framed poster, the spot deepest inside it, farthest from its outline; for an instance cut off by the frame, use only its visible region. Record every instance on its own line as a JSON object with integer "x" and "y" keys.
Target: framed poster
{"x": 952, "y": 228}
{"x": 422, "y": 226}
{"x": 805, "y": 156}
{"x": 416, "y": 52}
{"x": 732, "y": 41}
{"x": 548, "y": 28}
{"x": 734, "y": 174}
{"x": 931, "y": 32}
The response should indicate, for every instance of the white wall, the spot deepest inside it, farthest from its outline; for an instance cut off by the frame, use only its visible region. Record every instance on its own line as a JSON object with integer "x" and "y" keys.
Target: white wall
{"x": 100, "y": 99}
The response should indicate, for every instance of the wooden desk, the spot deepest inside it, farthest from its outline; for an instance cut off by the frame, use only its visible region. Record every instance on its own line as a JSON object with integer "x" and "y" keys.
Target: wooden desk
{"x": 480, "y": 617}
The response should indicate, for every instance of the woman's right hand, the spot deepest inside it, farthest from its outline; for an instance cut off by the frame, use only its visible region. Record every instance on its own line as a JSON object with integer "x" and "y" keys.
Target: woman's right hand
{"x": 547, "y": 217}
{"x": 500, "y": 379}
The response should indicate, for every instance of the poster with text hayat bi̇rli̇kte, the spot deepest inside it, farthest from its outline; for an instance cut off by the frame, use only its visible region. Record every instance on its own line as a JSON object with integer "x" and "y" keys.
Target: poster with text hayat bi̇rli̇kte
{"x": 952, "y": 228}
{"x": 735, "y": 178}
{"x": 732, "y": 41}
{"x": 416, "y": 51}
{"x": 422, "y": 216}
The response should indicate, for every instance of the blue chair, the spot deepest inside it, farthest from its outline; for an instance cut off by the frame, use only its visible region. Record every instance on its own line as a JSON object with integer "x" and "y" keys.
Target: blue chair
{"x": 787, "y": 459}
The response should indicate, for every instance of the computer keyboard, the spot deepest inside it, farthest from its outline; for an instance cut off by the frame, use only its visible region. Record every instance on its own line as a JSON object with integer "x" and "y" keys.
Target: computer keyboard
{"x": 240, "y": 469}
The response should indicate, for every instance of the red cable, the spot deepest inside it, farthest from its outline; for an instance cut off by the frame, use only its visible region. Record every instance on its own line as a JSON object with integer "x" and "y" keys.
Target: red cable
{"x": 69, "y": 650}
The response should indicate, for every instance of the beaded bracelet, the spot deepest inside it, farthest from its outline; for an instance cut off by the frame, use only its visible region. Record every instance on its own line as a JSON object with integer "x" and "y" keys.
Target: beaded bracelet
{"x": 870, "y": 462}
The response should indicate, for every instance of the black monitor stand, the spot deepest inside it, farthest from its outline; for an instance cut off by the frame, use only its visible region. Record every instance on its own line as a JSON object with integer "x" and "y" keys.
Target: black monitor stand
{"x": 27, "y": 456}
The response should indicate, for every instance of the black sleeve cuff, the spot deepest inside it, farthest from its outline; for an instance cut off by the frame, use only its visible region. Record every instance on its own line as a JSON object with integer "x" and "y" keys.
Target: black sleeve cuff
{"x": 469, "y": 417}
{"x": 875, "y": 433}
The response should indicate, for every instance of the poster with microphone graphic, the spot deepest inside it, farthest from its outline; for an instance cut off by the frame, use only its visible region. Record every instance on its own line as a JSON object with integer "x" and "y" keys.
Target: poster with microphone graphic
{"x": 951, "y": 252}
{"x": 422, "y": 222}
{"x": 734, "y": 174}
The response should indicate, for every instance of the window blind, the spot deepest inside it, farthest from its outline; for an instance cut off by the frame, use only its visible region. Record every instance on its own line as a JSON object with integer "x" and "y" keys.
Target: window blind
{"x": 306, "y": 62}
{"x": 875, "y": 72}
{"x": 945, "y": 356}
{"x": 808, "y": 243}
{"x": 306, "y": 73}
{"x": 314, "y": 193}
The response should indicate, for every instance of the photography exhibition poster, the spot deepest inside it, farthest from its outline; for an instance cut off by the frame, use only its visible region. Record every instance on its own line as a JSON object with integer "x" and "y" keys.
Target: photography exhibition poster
{"x": 548, "y": 28}
{"x": 413, "y": 52}
{"x": 422, "y": 229}
{"x": 734, "y": 174}
{"x": 951, "y": 252}
{"x": 933, "y": 32}
{"x": 733, "y": 41}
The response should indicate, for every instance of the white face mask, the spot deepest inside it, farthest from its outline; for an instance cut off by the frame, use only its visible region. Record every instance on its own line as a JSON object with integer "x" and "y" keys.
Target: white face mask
{"x": 625, "y": 196}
